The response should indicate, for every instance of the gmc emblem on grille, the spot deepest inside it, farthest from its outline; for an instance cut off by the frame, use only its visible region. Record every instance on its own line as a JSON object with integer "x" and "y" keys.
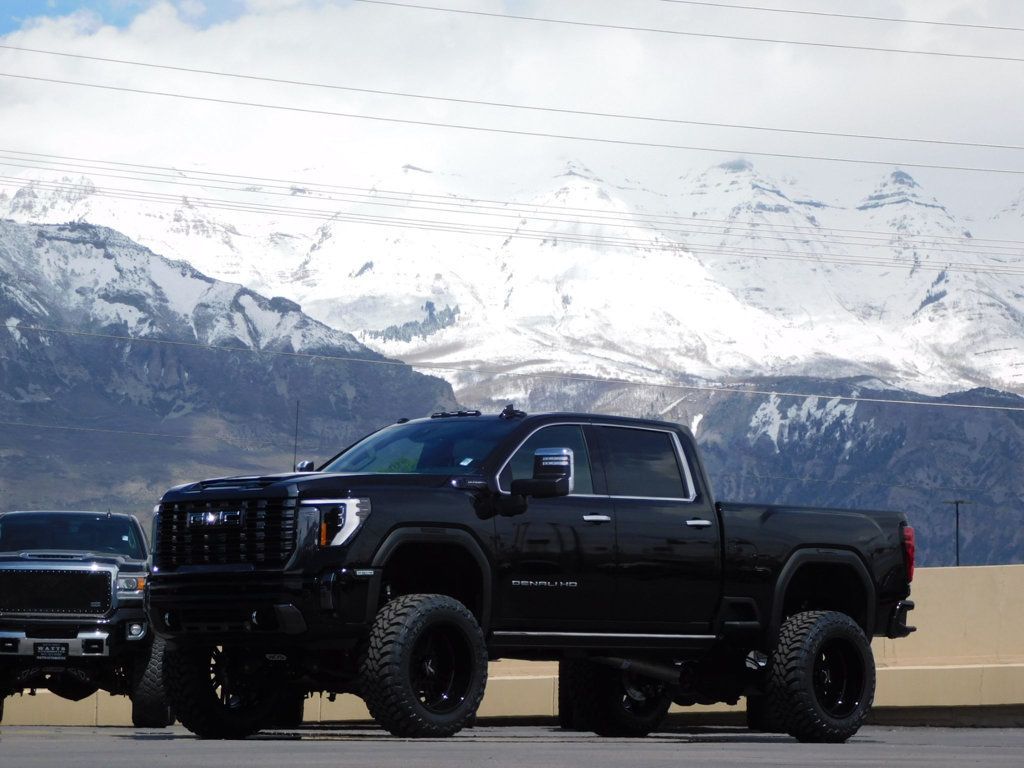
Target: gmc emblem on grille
{"x": 223, "y": 517}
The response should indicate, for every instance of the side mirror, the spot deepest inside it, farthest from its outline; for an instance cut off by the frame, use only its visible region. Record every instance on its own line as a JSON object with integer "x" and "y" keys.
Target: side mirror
{"x": 553, "y": 471}
{"x": 305, "y": 466}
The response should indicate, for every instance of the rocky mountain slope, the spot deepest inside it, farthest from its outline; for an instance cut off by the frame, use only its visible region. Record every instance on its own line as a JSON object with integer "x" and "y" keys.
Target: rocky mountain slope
{"x": 95, "y": 415}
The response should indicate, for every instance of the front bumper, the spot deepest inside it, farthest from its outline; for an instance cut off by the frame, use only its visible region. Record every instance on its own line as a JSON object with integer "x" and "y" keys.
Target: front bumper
{"x": 261, "y": 608}
{"x": 28, "y": 636}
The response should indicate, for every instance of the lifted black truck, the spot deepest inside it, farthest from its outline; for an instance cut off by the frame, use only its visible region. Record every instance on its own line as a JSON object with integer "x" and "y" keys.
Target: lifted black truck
{"x": 72, "y": 618}
{"x": 403, "y": 564}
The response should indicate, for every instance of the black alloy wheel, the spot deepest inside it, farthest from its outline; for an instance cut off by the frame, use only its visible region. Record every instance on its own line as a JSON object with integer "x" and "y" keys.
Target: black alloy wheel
{"x": 219, "y": 692}
{"x": 838, "y": 678}
{"x": 441, "y": 669}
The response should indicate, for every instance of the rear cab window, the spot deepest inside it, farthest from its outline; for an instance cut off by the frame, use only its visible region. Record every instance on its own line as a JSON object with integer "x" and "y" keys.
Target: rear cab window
{"x": 644, "y": 463}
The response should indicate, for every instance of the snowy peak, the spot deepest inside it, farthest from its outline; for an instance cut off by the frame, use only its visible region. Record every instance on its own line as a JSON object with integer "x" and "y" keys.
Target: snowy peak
{"x": 898, "y": 188}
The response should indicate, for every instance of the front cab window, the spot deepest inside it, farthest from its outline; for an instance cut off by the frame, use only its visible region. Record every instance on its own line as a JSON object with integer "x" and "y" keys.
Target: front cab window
{"x": 557, "y": 436}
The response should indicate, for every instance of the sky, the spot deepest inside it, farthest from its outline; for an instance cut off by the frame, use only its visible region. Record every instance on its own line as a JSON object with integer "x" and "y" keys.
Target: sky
{"x": 383, "y": 47}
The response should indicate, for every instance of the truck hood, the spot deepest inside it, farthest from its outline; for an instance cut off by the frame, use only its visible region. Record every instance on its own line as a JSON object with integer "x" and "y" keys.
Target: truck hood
{"x": 300, "y": 483}
{"x": 57, "y": 558}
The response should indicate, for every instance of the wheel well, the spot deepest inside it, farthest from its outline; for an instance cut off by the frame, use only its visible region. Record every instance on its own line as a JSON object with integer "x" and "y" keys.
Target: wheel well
{"x": 440, "y": 569}
{"x": 827, "y": 587}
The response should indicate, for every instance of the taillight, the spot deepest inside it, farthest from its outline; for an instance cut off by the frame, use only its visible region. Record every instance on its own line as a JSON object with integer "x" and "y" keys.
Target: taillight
{"x": 909, "y": 551}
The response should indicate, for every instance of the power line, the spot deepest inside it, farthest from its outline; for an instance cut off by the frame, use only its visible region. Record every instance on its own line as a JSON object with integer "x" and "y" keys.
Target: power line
{"x": 532, "y": 234}
{"x": 306, "y": 185}
{"x": 455, "y": 207}
{"x": 508, "y": 131}
{"x": 894, "y": 19}
{"x": 497, "y": 372}
{"x": 508, "y": 105}
{"x": 69, "y": 428}
{"x": 686, "y": 33}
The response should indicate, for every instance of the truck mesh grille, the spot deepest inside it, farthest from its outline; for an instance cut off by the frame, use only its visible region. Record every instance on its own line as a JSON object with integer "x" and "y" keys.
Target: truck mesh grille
{"x": 258, "y": 532}
{"x": 48, "y": 591}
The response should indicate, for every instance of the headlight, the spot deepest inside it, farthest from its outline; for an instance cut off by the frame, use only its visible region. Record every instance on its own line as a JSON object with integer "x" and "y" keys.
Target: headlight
{"x": 339, "y": 518}
{"x": 131, "y": 583}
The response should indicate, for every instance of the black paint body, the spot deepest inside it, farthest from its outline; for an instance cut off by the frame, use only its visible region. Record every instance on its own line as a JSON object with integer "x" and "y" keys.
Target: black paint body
{"x": 642, "y": 579}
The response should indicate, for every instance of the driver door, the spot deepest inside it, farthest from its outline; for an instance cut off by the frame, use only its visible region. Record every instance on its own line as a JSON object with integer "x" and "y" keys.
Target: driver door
{"x": 556, "y": 559}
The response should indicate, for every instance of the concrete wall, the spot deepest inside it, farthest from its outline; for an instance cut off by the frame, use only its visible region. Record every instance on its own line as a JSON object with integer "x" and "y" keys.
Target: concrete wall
{"x": 968, "y": 652}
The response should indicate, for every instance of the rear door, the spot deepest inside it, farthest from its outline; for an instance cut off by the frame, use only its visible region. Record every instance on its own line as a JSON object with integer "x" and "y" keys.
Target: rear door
{"x": 668, "y": 551}
{"x": 556, "y": 560}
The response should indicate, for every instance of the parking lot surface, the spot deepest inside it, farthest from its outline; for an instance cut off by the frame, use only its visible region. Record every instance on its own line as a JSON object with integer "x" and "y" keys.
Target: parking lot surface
{"x": 499, "y": 746}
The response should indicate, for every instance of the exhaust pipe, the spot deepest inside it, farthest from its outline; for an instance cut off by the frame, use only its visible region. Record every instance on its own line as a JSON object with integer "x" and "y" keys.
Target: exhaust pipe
{"x": 666, "y": 673}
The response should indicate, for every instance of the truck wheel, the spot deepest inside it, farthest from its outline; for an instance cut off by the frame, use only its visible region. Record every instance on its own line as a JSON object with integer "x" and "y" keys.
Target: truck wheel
{"x": 569, "y": 673}
{"x": 425, "y": 666}
{"x": 611, "y": 702}
{"x": 821, "y": 678}
{"x": 761, "y": 718}
{"x": 149, "y": 704}
{"x": 216, "y": 694}
{"x": 290, "y": 710}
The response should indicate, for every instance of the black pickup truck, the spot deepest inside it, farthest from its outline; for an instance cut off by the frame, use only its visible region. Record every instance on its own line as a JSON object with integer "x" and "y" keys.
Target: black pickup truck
{"x": 71, "y": 610}
{"x": 402, "y": 565}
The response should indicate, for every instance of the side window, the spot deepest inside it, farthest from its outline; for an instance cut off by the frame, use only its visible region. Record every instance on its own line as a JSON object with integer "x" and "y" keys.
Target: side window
{"x": 642, "y": 463}
{"x": 563, "y": 436}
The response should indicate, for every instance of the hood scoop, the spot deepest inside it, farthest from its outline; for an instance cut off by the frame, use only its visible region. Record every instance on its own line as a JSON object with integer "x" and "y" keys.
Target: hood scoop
{"x": 52, "y": 556}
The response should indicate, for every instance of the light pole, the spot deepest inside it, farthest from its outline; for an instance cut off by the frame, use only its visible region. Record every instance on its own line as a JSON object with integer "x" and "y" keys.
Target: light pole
{"x": 956, "y": 505}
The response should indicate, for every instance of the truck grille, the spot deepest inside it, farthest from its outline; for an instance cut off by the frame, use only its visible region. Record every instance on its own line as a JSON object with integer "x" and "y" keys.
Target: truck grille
{"x": 43, "y": 590}
{"x": 257, "y": 532}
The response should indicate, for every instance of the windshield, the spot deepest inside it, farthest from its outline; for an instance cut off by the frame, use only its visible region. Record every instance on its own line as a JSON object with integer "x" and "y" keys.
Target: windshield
{"x": 437, "y": 447}
{"x": 60, "y": 531}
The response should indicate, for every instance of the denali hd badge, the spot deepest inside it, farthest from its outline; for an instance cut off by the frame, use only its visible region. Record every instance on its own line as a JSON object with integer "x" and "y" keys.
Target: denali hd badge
{"x": 223, "y": 517}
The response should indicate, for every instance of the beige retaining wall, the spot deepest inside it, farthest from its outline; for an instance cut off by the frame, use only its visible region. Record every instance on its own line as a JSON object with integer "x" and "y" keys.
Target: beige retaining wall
{"x": 968, "y": 652}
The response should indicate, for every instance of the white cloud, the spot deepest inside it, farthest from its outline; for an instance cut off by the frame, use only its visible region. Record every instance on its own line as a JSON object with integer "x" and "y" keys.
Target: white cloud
{"x": 388, "y": 48}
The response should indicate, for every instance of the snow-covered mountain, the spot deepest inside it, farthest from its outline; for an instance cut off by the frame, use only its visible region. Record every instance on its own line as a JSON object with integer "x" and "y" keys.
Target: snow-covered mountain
{"x": 94, "y": 416}
{"x": 731, "y": 274}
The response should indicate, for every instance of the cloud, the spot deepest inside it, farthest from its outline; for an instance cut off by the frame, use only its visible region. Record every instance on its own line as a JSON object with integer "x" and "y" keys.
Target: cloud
{"x": 397, "y": 49}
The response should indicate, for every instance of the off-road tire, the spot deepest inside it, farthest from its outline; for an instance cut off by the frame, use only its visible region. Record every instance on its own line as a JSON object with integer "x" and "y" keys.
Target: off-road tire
{"x": 603, "y": 703}
{"x": 290, "y": 710}
{"x": 569, "y": 673}
{"x": 187, "y": 682}
{"x": 415, "y": 638}
{"x": 2, "y": 708}
{"x": 761, "y": 718}
{"x": 150, "y": 708}
{"x": 821, "y": 676}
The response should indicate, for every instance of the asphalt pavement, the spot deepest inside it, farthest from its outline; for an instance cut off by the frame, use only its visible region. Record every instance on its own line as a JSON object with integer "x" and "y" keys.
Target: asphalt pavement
{"x": 500, "y": 746}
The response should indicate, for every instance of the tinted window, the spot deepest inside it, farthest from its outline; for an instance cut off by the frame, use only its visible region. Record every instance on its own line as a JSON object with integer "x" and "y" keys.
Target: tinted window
{"x": 57, "y": 531}
{"x": 435, "y": 447}
{"x": 642, "y": 463}
{"x": 564, "y": 436}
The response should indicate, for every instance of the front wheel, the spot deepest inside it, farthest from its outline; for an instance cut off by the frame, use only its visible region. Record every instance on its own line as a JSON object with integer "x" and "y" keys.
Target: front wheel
{"x": 425, "y": 666}
{"x": 149, "y": 703}
{"x": 219, "y": 692}
{"x": 821, "y": 678}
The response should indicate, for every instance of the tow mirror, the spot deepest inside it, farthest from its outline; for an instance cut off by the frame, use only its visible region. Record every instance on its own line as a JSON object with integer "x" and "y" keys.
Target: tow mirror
{"x": 553, "y": 471}
{"x": 305, "y": 466}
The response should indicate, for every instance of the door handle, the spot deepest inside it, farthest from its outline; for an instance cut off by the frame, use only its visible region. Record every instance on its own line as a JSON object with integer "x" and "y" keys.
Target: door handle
{"x": 698, "y": 522}
{"x": 597, "y": 518}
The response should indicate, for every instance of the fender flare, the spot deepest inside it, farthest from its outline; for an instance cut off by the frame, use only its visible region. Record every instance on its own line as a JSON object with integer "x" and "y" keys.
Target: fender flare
{"x": 452, "y": 536}
{"x": 819, "y": 556}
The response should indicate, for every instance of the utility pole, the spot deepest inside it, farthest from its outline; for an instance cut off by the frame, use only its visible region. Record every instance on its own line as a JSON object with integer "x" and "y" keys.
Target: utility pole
{"x": 956, "y": 506}
{"x": 295, "y": 448}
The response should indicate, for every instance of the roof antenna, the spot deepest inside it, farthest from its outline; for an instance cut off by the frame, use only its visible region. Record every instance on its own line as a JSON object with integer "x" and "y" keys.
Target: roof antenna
{"x": 510, "y": 412}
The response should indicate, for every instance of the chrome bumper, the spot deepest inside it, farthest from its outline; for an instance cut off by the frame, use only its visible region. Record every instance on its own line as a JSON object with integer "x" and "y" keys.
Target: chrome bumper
{"x": 87, "y": 644}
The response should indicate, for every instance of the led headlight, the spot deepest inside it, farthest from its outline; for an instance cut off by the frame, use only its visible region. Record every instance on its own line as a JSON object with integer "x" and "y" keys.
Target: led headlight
{"x": 339, "y": 518}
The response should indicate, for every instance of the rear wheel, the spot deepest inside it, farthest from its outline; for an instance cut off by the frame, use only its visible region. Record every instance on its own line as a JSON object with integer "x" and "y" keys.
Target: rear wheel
{"x": 612, "y": 702}
{"x": 425, "y": 666}
{"x": 219, "y": 692}
{"x": 821, "y": 678}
